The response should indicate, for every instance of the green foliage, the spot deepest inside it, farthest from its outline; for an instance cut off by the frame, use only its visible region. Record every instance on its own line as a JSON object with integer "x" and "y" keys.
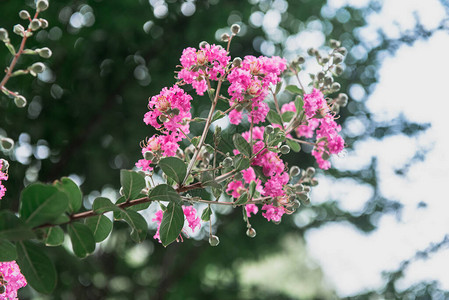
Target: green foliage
{"x": 164, "y": 192}
{"x": 7, "y": 251}
{"x": 139, "y": 226}
{"x": 12, "y": 228}
{"x": 54, "y": 236}
{"x": 100, "y": 226}
{"x": 241, "y": 144}
{"x": 172, "y": 223}
{"x": 132, "y": 183}
{"x": 83, "y": 242}
{"x": 73, "y": 193}
{"x": 174, "y": 168}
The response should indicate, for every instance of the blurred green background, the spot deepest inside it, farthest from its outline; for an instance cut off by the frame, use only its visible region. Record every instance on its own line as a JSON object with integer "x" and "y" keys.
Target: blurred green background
{"x": 84, "y": 119}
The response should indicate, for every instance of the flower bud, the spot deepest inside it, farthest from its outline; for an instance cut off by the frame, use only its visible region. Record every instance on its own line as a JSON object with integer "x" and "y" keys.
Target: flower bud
{"x": 328, "y": 80}
{"x": 314, "y": 182}
{"x": 320, "y": 75}
{"x": 342, "y": 99}
{"x": 35, "y": 24}
{"x": 37, "y": 67}
{"x": 342, "y": 51}
{"x": 228, "y": 162}
{"x": 334, "y": 43}
{"x": 24, "y": 15}
{"x": 336, "y": 108}
{"x": 3, "y": 35}
{"x": 239, "y": 108}
{"x": 338, "y": 58}
{"x": 20, "y": 101}
{"x": 18, "y": 29}
{"x": 44, "y": 23}
{"x": 311, "y": 51}
{"x": 237, "y": 62}
{"x": 175, "y": 111}
{"x": 294, "y": 171}
{"x": 225, "y": 37}
{"x": 306, "y": 189}
{"x": 285, "y": 149}
{"x": 203, "y": 44}
{"x": 44, "y": 52}
{"x": 299, "y": 188}
{"x": 5, "y": 165}
{"x": 238, "y": 176}
{"x": 269, "y": 129}
{"x": 300, "y": 60}
{"x": 336, "y": 86}
{"x": 163, "y": 118}
{"x": 6, "y": 143}
{"x": 214, "y": 240}
{"x": 296, "y": 204}
{"x": 325, "y": 60}
{"x": 304, "y": 197}
{"x": 148, "y": 155}
{"x": 235, "y": 28}
{"x": 41, "y": 5}
{"x": 310, "y": 171}
{"x": 251, "y": 232}
{"x": 339, "y": 70}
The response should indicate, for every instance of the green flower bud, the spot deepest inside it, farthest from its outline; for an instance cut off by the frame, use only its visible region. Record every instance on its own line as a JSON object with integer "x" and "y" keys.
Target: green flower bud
{"x": 18, "y": 29}
{"x": 314, "y": 182}
{"x": 338, "y": 58}
{"x": 336, "y": 86}
{"x": 41, "y": 5}
{"x": 320, "y": 75}
{"x": 328, "y": 80}
{"x": 304, "y": 197}
{"x": 325, "y": 60}
{"x": 339, "y": 70}
{"x": 44, "y": 52}
{"x": 269, "y": 129}
{"x": 37, "y": 67}
{"x": 20, "y": 101}
{"x": 251, "y": 232}
{"x": 300, "y": 60}
{"x": 285, "y": 149}
{"x": 44, "y": 23}
{"x": 175, "y": 111}
{"x": 237, "y": 62}
{"x": 148, "y": 155}
{"x": 299, "y": 188}
{"x": 35, "y": 24}
{"x": 306, "y": 189}
{"x": 235, "y": 28}
{"x": 336, "y": 108}
{"x": 310, "y": 171}
{"x": 5, "y": 165}
{"x": 228, "y": 162}
{"x": 225, "y": 37}
{"x": 342, "y": 51}
{"x": 311, "y": 51}
{"x": 24, "y": 15}
{"x": 334, "y": 43}
{"x": 294, "y": 171}
{"x": 163, "y": 118}
{"x": 6, "y": 143}
{"x": 3, "y": 35}
{"x": 296, "y": 204}
{"x": 214, "y": 240}
{"x": 342, "y": 99}
{"x": 203, "y": 44}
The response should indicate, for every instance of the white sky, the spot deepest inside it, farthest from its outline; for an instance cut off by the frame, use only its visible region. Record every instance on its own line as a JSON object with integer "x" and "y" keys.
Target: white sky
{"x": 413, "y": 82}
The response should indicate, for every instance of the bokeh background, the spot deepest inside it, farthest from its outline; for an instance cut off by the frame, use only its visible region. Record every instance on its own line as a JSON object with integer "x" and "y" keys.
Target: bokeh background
{"x": 377, "y": 227}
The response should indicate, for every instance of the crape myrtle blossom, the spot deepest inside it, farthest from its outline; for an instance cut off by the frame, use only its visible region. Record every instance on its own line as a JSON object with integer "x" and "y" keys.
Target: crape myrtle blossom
{"x": 3, "y": 176}
{"x": 320, "y": 122}
{"x": 12, "y": 280}
{"x": 190, "y": 216}
{"x": 250, "y": 83}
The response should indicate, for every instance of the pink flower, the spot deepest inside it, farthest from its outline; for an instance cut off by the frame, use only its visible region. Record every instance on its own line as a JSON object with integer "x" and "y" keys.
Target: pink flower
{"x": 315, "y": 103}
{"x": 10, "y": 272}
{"x": 3, "y": 176}
{"x": 236, "y": 188}
{"x": 273, "y": 213}
{"x": 158, "y": 220}
{"x": 144, "y": 164}
{"x": 251, "y": 208}
{"x": 249, "y": 175}
{"x": 192, "y": 219}
{"x": 288, "y": 107}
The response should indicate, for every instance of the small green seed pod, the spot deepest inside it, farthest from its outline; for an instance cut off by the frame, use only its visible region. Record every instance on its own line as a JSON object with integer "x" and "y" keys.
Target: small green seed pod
{"x": 6, "y": 143}
{"x": 35, "y": 24}
{"x": 334, "y": 43}
{"x": 214, "y": 240}
{"x": 24, "y": 15}
{"x": 228, "y": 162}
{"x": 235, "y": 28}
{"x": 269, "y": 129}
{"x": 294, "y": 171}
{"x": 41, "y": 5}
{"x": 310, "y": 171}
{"x": 336, "y": 86}
{"x": 203, "y": 44}
{"x": 225, "y": 37}
{"x": 148, "y": 155}
{"x": 3, "y": 35}
{"x": 37, "y": 67}
{"x": 285, "y": 149}
{"x": 20, "y": 101}
{"x": 18, "y": 29}
{"x": 237, "y": 62}
{"x": 251, "y": 232}
{"x": 44, "y": 52}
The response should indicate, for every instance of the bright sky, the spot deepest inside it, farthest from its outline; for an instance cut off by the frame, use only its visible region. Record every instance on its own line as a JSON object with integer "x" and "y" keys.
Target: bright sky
{"x": 413, "y": 83}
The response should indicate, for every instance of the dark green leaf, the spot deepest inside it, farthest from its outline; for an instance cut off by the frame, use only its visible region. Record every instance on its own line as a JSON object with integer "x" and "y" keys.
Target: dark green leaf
{"x": 294, "y": 89}
{"x": 174, "y": 168}
{"x": 207, "y": 179}
{"x": 217, "y": 116}
{"x": 217, "y": 192}
{"x": 83, "y": 242}
{"x": 288, "y": 115}
{"x": 296, "y": 147}
{"x": 12, "y": 228}
{"x": 7, "y": 251}
{"x": 252, "y": 189}
{"x": 132, "y": 183}
{"x": 241, "y": 163}
{"x": 207, "y": 212}
{"x": 100, "y": 226}
{"x": 274, "y": 118}
{"x": 278, "y": 87}
{"x": 102, "y": 205}
{"x": 259, "y": 173}
{"x": 73, "y": 192}
{"x": 37, "y": 268}
{"x": 164, "y": 192}
{"x": 241, "y": 144}
{"x": 42, "y": 203}
{"x": 172, "y": 223}
{"x": 137, "y": 223}
{"x": 299, "y": 104}
{"x": 195, "y": 140}
{"x": 54, "y": 236}
{"x": 242, "y": 199}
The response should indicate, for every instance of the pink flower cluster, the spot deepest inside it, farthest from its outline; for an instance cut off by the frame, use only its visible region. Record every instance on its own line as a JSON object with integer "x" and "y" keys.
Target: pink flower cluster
{"x": 14, "y": 280}
{"x": 319, "y": 121}
{"x": 169, "y": 112}
{"x": 190, "y": 215}
{"x": 3, "y": 176}
{"x": 203, "y": 64}
{"x": 273, "y": 168}
{"x": 251, "y": 82}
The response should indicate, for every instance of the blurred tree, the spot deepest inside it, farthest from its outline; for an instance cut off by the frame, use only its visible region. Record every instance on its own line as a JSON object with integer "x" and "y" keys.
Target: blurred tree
{"x": 84, "y": 118}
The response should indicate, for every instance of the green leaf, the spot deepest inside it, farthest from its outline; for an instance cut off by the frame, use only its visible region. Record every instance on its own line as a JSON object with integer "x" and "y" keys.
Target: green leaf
{"x": 259, "y": 173}
{"x": 218, "y": 115}
{"x": 73, "y": 192}
{"x": 37, "y": 268}
{"x": 83, "y": 242}
{"x": 100, "y": 226}
{"x": 14, "y": 229}
{"x": 137, "y": 223}
{"x": 207, "y": 212}
{"x": 278, "y": 87}
{"x": 274, "y": 118}
{"x": 172, "y": 223}
{"x": 241, "y": 163}
{"x": 195, "y": 140}
{"x": 294, "y": 89}
{"x": 288, "y": 115}
{"x": 242, "y": 199}
{"x": 54, "y": 236}
{"x": 132, "y": 183}
{"x": 241, "y": 144}
{"x": 207, "y": 179}
{"x": 164, "y": 192}
{"x": 296, "y": 147}
{"x": 7, "y": 251}
{"x": 174, "y": 168}
{"x": 252, "y": 189}
{"x": 102, "y": 205}
{"x": 299, "y": 104}
{"x": 42, "y": 204}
